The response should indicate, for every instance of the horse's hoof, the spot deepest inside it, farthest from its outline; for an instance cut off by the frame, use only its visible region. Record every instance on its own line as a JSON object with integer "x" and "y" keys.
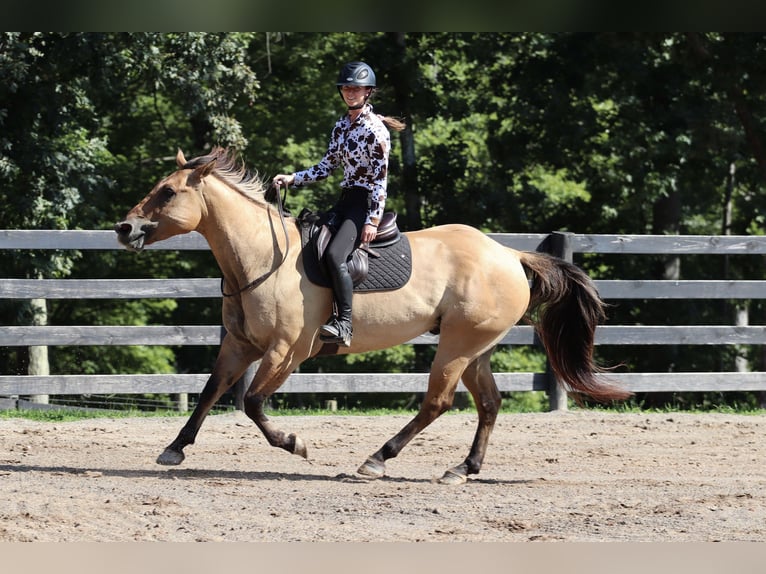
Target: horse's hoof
{"x": 299, "y": 447}
{"x": 372, "y": 468}
{"x": 170, "y": 457}
{"x": 453, "y": 478}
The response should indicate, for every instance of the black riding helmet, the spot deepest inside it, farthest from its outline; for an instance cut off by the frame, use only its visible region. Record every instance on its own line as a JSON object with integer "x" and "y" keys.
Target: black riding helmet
{"x": 356, "y": 74}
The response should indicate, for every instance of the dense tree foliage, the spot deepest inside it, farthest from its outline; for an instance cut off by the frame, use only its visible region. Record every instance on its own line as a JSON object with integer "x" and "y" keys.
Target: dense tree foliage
{"x": 515, "y": 132}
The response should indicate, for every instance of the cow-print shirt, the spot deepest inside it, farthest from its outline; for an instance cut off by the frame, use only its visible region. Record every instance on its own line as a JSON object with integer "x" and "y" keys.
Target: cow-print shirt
{"x": 362, "y": 149}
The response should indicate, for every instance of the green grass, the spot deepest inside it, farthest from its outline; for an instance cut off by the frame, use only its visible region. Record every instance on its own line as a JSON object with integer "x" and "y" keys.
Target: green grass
{"x": 64, "y": 414}
{"x": 516, "y": 403}
{"x": 519, "y": 403}
{"x": 630, "y": 408}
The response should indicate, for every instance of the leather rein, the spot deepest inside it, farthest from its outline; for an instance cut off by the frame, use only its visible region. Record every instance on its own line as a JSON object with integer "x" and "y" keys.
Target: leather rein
{"x": 258, "y": 280}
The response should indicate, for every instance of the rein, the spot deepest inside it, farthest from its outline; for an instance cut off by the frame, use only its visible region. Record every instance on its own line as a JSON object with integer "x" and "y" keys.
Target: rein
{"x": 258, "y": 280}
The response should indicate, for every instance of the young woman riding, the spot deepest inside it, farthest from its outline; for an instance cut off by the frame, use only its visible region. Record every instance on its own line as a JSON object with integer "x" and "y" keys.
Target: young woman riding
{"x": 360, "y": 143}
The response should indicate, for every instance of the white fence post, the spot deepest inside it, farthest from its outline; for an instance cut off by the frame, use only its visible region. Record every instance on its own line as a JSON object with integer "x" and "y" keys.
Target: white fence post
{"x": 38, "y": 354}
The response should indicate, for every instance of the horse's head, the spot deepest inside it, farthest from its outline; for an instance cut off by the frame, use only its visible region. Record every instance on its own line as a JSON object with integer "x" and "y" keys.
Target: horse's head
{"x": 173, "y": 207}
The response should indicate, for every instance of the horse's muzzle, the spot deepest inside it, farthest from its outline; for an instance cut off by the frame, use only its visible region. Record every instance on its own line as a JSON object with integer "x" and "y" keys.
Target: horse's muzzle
{"x": 133, "y": 234}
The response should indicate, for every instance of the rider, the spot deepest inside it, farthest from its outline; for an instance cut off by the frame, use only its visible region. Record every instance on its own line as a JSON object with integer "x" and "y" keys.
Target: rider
{"x": 360, "y": 143}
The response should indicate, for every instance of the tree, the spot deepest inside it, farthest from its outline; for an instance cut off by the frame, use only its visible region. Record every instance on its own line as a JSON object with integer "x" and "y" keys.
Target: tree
{"x": 85, "y": 119}
{"x": 520, "y": 132}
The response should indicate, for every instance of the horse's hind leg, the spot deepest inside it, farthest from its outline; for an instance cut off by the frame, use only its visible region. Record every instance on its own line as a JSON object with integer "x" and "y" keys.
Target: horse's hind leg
{"x": 442, "y": 382}
{"x": 479, "y": 380}
{"x": 231, "y": 362}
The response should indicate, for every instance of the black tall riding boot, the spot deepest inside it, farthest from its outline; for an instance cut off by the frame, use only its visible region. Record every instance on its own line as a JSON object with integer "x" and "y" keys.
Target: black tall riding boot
{"x": 338, "y": 327}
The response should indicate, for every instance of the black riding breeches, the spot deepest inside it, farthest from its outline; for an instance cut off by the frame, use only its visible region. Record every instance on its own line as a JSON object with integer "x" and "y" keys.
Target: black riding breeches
{"x": 351, "y": 213}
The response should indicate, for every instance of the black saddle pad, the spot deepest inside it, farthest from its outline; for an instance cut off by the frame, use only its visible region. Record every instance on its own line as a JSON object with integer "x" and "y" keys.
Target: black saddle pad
{"x": 388, "y": 272}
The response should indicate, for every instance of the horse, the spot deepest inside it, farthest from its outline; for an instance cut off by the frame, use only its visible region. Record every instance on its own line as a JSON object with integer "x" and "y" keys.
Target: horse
{"x": 464, "y": 285}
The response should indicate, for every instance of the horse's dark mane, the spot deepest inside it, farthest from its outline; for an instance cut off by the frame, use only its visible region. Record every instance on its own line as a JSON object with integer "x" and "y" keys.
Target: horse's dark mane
{"x": 233, "y": 172}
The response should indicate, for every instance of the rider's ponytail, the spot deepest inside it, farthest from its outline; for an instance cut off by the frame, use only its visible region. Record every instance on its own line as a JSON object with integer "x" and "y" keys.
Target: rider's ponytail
{"x": 393, "y": 123}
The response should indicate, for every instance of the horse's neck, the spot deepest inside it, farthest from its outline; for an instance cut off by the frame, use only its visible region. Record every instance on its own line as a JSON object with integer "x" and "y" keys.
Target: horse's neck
{"x": 243, "y": 236}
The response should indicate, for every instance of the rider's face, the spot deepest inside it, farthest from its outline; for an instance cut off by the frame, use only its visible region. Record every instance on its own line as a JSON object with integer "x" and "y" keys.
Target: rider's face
{"x": 354, "y": 95}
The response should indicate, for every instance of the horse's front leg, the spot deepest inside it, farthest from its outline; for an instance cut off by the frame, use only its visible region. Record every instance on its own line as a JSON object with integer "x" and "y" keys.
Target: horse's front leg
{"x": 232, "y": 361}
{"x": 272, "y": 372}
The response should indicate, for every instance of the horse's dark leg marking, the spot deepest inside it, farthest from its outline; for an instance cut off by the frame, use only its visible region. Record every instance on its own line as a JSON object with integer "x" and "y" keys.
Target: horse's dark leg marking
{"x": 229, "y": 366}
{"x": 441, "y": 392}
{"x": 271, "y": 373}
{"x": 479, "y": 380}
{"x": 173, "y": 454}
{"x": 291, "y": 443}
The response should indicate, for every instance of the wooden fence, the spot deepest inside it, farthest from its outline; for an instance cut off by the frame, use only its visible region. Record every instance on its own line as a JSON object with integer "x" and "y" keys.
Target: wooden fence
{"x": 562, "y": 244}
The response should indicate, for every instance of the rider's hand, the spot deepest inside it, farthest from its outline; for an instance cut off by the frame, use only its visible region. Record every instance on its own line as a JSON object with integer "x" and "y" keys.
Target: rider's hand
{"x": 368, "y": 233}
{"x": 283, "y": 179}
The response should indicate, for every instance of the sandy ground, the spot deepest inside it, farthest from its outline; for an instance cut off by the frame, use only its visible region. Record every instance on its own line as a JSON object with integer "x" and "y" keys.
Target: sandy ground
{"x": 577, "y": 476}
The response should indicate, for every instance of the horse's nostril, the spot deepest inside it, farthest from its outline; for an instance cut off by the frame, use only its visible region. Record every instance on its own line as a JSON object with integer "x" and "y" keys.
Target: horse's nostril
{"x": 123, "y": 228}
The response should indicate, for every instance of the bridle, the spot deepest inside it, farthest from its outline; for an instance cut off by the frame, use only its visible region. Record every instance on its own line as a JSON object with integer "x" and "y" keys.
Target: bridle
{"x": 258, "y": 280}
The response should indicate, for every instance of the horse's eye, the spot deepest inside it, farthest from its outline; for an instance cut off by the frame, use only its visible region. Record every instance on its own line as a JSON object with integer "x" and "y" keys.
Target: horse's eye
{"x": 167, "y": 193}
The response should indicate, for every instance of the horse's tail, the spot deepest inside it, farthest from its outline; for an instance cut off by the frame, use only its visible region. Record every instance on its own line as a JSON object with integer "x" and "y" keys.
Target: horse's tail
{"x": 565, "y": 309}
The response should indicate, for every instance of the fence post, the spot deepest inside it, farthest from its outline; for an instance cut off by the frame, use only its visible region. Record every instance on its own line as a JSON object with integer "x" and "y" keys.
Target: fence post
{"x": 560, "y": 246}
{"x": 182, "y": 402}
{"x": 38, "y": 354}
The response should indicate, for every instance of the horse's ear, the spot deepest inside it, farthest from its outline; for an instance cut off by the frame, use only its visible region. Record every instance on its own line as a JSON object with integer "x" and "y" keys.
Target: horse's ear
{"x": 200, "y": 172}
{"x": 180, "y": 159}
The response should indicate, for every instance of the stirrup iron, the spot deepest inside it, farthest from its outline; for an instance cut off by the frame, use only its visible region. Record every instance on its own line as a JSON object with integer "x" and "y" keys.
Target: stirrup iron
{"x": 336, "y": 331}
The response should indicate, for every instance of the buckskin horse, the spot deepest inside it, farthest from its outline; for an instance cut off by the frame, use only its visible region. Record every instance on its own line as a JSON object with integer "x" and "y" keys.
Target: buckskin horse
{"x": 463, "y": 285}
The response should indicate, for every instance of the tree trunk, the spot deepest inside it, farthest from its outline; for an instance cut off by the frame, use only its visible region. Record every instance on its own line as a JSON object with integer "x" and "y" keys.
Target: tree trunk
{"x": 666, "y": 220}
{"x": 741, "y": 310}
{"x": 736, "y": 95}
{"x": 401, "y": 75}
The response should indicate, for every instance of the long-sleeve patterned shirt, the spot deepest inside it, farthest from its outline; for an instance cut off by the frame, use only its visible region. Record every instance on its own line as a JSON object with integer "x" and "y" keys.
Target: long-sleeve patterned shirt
{"x": 362, "y": 148}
